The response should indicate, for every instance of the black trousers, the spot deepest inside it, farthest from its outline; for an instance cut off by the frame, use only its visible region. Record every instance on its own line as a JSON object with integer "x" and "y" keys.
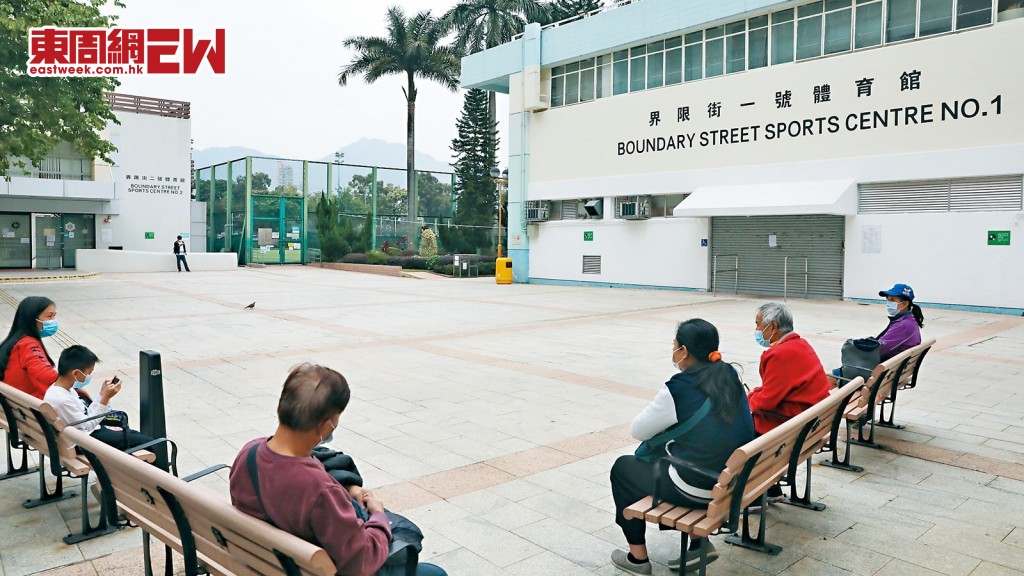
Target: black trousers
{"x": 632, "y": 479}
{"x": 181, "y": 260}
{"x": 116, "y": 438}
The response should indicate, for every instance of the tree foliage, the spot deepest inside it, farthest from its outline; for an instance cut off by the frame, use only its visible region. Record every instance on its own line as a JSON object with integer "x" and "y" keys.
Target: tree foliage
{"x": 475, "y": 150}
{"x": 428, "y": 243}
{"x": 482, "y": 24}
{"x": 36, "y": 114}
{"x": 559, "y": 10}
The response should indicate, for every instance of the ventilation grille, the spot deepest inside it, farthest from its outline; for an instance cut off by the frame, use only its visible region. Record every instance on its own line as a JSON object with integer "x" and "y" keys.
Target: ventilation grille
{"x": 569, "y": 208}
{"x": 591, "y": 264}
{"x": 1002, "y": 193}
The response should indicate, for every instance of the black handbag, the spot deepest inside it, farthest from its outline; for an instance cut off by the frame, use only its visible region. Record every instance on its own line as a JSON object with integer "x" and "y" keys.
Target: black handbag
{"x": 860, "y": 356}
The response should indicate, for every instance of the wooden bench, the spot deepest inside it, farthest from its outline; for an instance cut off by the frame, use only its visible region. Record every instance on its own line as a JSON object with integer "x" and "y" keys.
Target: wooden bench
{"x": 40, "y": 428}
{"x": 751, "y": 470}
{"x": 212, "y": 535}
{"x": 14, "y": 443}
{"x": 897, "y": 373}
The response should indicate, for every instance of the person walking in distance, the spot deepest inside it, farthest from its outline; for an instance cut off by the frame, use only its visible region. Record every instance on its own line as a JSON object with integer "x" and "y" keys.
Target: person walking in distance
{"x": 180, "y": 252}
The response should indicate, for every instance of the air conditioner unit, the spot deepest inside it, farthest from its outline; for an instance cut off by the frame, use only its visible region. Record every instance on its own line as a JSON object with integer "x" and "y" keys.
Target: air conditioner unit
{"x": 594, "y": 208}
{"x": 537, "y": 210}
{"x": 633, "y": 207}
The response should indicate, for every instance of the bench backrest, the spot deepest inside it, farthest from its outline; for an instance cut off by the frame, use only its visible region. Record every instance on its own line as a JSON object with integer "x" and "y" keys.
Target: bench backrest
{"x": 760, "y": 463}
{"x": 908, "y": 374}
{"x": 39, "y": 426}
{"x": 198, "y": 523}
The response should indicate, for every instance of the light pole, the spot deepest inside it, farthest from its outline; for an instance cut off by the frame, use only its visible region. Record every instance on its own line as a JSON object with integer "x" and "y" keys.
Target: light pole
{"x": 500, "y": 178}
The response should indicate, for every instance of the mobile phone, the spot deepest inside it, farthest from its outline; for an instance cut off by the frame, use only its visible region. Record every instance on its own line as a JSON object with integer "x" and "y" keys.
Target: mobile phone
{"x": 115, "y": 380}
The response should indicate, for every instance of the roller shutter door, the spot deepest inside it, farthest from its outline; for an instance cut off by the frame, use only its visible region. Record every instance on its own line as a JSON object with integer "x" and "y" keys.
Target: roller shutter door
{"x": 819, "y": 238}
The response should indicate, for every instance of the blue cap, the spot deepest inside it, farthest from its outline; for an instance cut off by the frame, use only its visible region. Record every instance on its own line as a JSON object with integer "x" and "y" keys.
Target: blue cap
{"x": 901, "y": 290}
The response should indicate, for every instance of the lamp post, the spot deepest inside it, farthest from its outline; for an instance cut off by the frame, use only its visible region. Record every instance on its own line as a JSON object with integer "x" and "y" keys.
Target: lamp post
{"x": 500, "y": 178}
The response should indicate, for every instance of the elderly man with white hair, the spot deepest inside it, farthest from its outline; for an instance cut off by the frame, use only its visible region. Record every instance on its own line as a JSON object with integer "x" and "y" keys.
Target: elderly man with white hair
{"x": 792, "y": 378}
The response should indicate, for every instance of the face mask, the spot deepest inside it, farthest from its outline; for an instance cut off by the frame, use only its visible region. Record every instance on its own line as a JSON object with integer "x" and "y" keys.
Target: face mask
{"x": 330, "y": 437}
{"x": 49, "y": 328}
{"x": 675, "y": 365}
{"x": 83, "y": 384}
{"x": 761, "y": 340}
{"x": 892, "y": 308}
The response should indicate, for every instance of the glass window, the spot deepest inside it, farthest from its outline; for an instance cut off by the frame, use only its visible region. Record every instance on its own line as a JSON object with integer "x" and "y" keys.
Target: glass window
{"x": 901, "y": 20}
{"x": 973, "y": 13}
{"x": 602, "y": 60}
{"x": 675, "y": 42}
{"x": 604, "y": 81}
{"x": 736, "y": 27}
{"x": 557, "y": 91}
{"x": 869, "y": 25}
{"x": 558, "y": 70}
{"x": 809, "y": 9}
{"x": 656, "y": 46}
{"x": 782, "y": 37}
{"x": 620, "y": 72}
{"x": 714, "y": 58}
{"x": 637, "y": 51}
{"x": 759, "y": 22}
{"x": 673, "y": 66}
{"x": 716, "y": 32}
{"x": 637, "y": 74}
{"x": 694, "y": 37}
{"x": 735, "y": 53}
{"x": 588, "y": 63}
{"x": 621, "y": 55}
{"x": 836, "y": 4}
{"x": 838, "y": 31}
{"x": 758, "y": 49}
{"x": 808, "y": 37}
{"x": 574, "y": 67}
{"x": 694, "y": 62}
{"x": 936, "y": 17}
{"x": 572, "y": 88}
{"x": 656, "y": 70}
{"x": 587, "y": 85}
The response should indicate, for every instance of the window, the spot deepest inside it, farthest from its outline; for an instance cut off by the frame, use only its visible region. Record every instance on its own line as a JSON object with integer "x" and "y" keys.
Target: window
{"x": 869, "y": 24}
{"x": 714, "y": 52}
{"x": 838, "y": 26}
{"x": 656, "y": 70}
{"x": 620, "y": 71}
{"x": 901, "y": 20}
{"x": 694, "y": 56}
{"x": 572, "y": 84}
{"x": 936, "y": 17}
{"x": 587, "y": 83}
{"x": 637, "y": 73}
{"x": 603, "y": 78}
{"x": 757, "y": 43}
{"x": 808, "y": 31}
{"x": 973, "y": 13}
{"x": 557, "y": 90}
{"x": 673, "y": 61}
{"x": 736, "y": 47}
{"x": 782, "y": 37}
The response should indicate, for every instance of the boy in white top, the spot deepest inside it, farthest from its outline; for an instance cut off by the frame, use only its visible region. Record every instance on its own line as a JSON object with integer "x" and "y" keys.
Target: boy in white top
{"x": 74, "y": 370}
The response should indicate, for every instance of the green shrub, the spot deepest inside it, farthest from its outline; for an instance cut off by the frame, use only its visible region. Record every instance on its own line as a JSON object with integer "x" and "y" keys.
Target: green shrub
{"x": 355, "y": 258}
{"x": 394, "y": 251}
{"x": 446, "y": 269}
{"x": 428, "y": 243}
{"x": 486, "y": 268}
{"x": 376, "y": 257}
{"x": 432, "y": 261}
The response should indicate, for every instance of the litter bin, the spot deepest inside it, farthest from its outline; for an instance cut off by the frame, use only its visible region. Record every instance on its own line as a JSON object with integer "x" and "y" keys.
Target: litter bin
{"x": 503, "y": 271}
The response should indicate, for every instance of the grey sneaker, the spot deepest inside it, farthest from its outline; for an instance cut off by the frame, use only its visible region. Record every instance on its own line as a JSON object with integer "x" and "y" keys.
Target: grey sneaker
{"x": 621, "y": 561}
{"x": 694, "y": 562}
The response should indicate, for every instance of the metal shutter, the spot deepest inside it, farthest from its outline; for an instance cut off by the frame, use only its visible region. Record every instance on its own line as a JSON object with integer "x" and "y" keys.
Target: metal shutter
{"x": 985, "y": 194}
{"x": 569, "y": 208}
{"x": 818, "y": 237}
{"x": 995, "y": 193}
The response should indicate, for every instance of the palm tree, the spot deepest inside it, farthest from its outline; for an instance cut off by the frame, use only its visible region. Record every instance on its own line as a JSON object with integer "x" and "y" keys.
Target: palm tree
{"x": 413, "y": 48}
{"x": 482, "y": 24}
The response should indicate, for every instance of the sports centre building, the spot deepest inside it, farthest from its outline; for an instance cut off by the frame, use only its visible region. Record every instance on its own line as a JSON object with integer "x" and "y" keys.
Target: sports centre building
{"x": 823, "y": 148}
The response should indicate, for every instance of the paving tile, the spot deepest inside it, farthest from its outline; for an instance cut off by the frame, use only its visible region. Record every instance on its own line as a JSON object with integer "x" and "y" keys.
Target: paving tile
{"x": 810, "y": 567}
{"x": 464, "y": 561}
{"x": 568, "y": 542}
{"x": 500, "y": 547}
{"x": 990, "y": 569}
{"x": 497, "y": 510}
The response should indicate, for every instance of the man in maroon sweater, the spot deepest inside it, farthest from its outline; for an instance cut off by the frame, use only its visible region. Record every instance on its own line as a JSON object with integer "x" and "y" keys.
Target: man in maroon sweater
{"x": 792, "y": 378}
{"x": 298, "y": 495}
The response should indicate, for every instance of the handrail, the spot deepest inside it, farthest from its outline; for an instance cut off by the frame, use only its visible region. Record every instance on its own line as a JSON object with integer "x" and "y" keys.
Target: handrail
{"x": 715, "y": 271}
{"x": 609, "y": 6}
{"x": 785, "y": 276}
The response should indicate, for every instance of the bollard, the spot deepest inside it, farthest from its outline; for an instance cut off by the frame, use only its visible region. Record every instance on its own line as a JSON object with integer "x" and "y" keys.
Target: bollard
{"x": 152, "y": 420}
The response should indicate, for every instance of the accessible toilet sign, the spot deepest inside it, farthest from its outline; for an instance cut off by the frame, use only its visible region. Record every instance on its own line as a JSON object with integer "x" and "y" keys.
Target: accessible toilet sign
{"x": 998, "y": 237}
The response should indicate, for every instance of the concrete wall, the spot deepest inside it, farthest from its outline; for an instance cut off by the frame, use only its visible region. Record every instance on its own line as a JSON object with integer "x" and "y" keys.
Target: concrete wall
{"x": 129, "y": 261}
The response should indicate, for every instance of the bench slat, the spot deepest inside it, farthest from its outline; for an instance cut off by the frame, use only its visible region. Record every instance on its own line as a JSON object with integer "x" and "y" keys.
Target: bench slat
{"x": 638, "y": 510}
{"x": 654, "y": 515}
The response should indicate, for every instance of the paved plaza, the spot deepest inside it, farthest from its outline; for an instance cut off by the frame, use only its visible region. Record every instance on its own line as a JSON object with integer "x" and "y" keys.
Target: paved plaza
{"x": 491, "y": 416}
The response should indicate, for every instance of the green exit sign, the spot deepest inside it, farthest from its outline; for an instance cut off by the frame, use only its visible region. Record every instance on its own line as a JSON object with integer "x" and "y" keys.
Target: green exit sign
{"x": 998, "y": 237}
{"x": 150, "y": 235}
{"x": 588, "y": 236}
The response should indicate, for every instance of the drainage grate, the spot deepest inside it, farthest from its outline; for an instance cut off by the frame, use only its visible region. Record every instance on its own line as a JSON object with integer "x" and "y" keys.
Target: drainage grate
{"x": 591, "y": 264}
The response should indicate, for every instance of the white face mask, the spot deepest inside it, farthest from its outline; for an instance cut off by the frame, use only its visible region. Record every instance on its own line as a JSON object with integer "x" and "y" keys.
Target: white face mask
{"x": 676, "y": 364}
{"x": 892, "y": 308}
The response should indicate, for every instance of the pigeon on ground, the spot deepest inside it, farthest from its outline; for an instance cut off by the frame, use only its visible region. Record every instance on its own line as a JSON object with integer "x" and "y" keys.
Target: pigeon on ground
{"x": 250, "y": 306}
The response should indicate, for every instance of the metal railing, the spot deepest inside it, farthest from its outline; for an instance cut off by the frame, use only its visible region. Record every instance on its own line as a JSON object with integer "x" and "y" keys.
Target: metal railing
{"x": 56, "y": 168}
{"x": 148, "y": 105}
{"x": 611, "y": 5}
{"x": 715, "y": 271}
{"x": 785, "y": 276}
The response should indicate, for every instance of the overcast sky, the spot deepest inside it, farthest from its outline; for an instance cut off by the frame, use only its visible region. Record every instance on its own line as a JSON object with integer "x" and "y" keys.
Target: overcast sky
{"x": 280, "y": 94}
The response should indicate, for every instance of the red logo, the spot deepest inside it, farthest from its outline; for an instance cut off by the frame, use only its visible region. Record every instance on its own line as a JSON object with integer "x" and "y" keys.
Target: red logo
{"x": 121, "y": 51}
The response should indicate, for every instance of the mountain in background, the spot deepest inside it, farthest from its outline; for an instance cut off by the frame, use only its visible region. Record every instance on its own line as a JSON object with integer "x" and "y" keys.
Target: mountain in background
{"x": 210, "y": 156}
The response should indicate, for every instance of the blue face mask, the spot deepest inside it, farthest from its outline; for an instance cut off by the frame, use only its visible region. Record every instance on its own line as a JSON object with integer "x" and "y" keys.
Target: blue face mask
{"x": 88, "y": 378}
{"x": 49, "y": 328}
{"x": 761, "y": 340}
{"x": 892, "y": 308}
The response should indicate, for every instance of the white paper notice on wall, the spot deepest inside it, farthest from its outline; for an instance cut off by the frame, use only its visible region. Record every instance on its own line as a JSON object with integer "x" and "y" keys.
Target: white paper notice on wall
{"x": 871, "y": 239}
{"x": 107, "y": 235}
{"x": 26, "y": 240}
{"x": 773, "y": 241}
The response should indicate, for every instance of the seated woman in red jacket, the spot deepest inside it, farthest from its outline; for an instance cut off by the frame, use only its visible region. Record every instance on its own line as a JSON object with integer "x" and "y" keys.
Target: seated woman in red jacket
{"x": 792, "y": 378}
{"x": 24, "y": 361}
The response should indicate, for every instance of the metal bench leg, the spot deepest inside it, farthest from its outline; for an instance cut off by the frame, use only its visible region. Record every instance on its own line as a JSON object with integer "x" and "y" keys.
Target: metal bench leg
{"x": 45, "y": 496}
{"x": 684, "y": 552}
{"x": 888, "y": 422}
{"x": 843, "y": 464}
{"x": 89, "y": 531}
{"x": 755, "y": 543}
{"x": 803, "y": 501}
{"x": 868, "y": 439}
{"x": 20, "y": 470}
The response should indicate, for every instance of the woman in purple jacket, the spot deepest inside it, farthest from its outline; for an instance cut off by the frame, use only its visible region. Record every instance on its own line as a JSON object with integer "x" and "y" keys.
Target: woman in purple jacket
{"x": 905, "y": 321}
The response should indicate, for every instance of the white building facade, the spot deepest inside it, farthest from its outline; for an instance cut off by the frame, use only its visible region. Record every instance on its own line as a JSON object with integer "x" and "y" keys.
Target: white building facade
{"x": 72, "y": 202}
{"x": 827, "y": 149}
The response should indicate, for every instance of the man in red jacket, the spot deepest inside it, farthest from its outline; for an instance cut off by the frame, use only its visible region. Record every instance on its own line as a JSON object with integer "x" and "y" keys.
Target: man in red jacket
{"x": 792, "y": 378}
